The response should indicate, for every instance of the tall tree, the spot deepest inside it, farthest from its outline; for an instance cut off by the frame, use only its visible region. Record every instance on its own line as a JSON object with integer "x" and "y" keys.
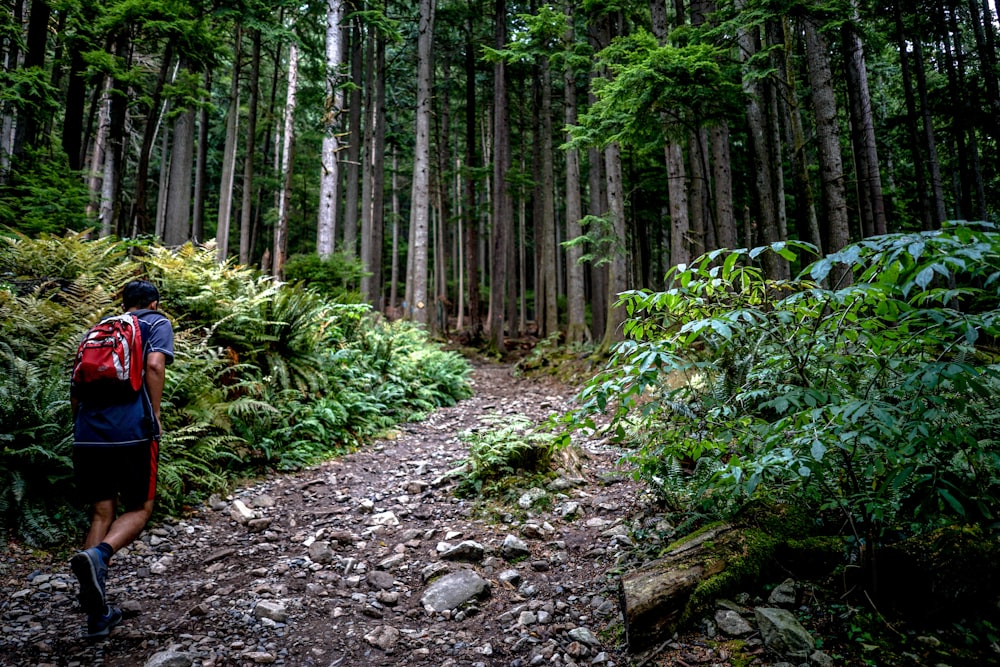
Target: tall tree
{"x": 420, "y": 198}
{"x": 354, "y": 132}
{"x": 246, "y": 207}
{"x": 280, "y": 251}
{"x": 229, "y": 154}
{"x": 177, "y": 228}
{"x": 502, "y": 202}
{"x": 327, "y": 218}
{"x": 831, "y": 168}
{"x": 863, "y": 128}
{"x": 471, "y": 221}
{"x": 576, "y": 327}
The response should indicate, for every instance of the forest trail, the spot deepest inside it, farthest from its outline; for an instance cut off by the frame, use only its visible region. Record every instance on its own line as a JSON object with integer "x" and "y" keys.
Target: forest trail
{"x": 341, "y": 564}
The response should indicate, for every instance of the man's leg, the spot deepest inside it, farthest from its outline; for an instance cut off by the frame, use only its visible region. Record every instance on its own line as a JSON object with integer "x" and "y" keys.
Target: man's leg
{"x": 124, "y": 530}
{"x": 101, "y": 517}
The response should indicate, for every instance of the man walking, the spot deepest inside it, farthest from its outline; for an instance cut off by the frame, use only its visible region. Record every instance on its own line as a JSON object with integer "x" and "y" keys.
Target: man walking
{"x": 115, "y": 454}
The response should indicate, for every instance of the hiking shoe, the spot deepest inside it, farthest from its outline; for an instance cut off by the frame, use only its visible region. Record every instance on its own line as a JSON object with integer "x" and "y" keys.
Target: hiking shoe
{"x": 100, "y": 625}
{"x": 91, "y": 571}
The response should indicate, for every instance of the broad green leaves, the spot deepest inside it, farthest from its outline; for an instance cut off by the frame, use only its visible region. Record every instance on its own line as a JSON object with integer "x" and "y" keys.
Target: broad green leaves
{"x": 874, "y": 402}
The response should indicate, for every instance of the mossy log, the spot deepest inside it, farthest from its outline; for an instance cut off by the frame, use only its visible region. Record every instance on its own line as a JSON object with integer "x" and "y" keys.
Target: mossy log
{"x": 663, "y": 594}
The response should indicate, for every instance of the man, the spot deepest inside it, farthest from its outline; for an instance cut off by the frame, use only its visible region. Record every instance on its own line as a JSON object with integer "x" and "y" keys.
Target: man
{"x": 115, "y": 454}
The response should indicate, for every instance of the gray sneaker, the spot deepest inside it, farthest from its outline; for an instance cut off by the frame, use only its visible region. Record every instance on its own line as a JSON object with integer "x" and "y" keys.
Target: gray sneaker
{"x": 100, "y": 625}
{"x": 91, "y": 571}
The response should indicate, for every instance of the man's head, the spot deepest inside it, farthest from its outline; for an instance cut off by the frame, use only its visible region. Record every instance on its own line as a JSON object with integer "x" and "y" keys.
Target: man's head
{"x": 140, "y": 294}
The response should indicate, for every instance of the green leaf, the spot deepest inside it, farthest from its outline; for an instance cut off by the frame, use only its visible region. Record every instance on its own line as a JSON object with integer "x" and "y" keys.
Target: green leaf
{"x": 952, "y": 501}
{"x": 925, "y": 277}
{"x": 818, "y": 449}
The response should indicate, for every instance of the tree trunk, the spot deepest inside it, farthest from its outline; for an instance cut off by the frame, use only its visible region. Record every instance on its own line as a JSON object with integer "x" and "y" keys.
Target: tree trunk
{"x": 98, "y": 152}
{"x": 934, "y": 165}
{"x": 986, "y": 51}
{"x": 246, "y": 208}
{"x": 471, "y": 240}
{"x": 118, "y": 96}
{"x": 229, "y": 155}
{"x": 548, "y": 259}
{"x": 598, "y": 206}
{"x": 140, "y": 212}
{"x": 869, "y": 176}
{"x": 7, "y": 125}
{"x": 805, "y": 205}
{"x": 777, "y": 266}
{"x": 367, "y": 177}
{"x": 618, "y": 266}
{"x": 30, "y": 117}
{"x": 441, "y": 259}
{"x": 177, "y": 229}
{"x": 920, "y": 178}
{"x": 280, "y": 251}
{"x": 420, "y": 198}
{"x": 198, "y": 212}
{"x": 828, "y": 146}
{"x": 722, "y": 178}
{"x": 378, "y": 178}
{"x": 654, "y": 598}
{"x": 353, "y": 141}
{"x": 326, "y": 225}
{"x": 502, "y": 205}
{"x": 576, "y": 330}
{"x": 394, "y": 272}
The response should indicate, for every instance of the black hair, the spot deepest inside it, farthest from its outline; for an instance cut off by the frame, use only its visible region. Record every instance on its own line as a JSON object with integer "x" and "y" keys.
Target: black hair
{"x": 139, "y": 294}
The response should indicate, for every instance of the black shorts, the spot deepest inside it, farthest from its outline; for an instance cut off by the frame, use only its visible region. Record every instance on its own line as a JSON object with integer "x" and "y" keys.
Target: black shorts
{"x": 126, "y": 473}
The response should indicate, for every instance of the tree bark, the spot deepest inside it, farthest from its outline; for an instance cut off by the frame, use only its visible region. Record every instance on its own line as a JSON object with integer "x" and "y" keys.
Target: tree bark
{"x": 353, "y": 141}
{"x": 280, "y": 251}
{"x": 502, "y": 205}
{"x": 420, "y": 198}
{"x": 869, "y": 175}
{"x": 576, "y": 329}
{"x": 654, "y": 598}
{"x": 930, "y": 144}
{"x": 177, "y": 229}
{"x": 548, "y": 259}
{"x": 902, "y": 44}
{"x": 246, "y": 208}
{"x": 326, "y": 225}
{"x": 198, "y": 211}
{"x": 378, "y": 179}
{"x": 471, "y": 240}
{"x": 140, "y": 212}
{"x": 30, "y": 117}
{"x": 805, "y": 204}
{"x": 229, "y": 155}
{"x": 618, "y": 266}
{"x": 828, "y": 146}
{"x": 367, "y": 156}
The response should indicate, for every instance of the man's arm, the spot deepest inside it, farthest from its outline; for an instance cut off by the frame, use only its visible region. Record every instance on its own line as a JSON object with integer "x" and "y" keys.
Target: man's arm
{"x": 156, "y": 366}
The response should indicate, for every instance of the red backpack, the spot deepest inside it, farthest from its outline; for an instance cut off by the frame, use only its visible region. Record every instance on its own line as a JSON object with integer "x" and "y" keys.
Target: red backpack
{"x": 110, "y": 357}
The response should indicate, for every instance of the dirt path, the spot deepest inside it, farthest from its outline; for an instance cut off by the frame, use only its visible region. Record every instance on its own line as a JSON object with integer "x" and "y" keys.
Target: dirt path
{"x": 343, "y": 565}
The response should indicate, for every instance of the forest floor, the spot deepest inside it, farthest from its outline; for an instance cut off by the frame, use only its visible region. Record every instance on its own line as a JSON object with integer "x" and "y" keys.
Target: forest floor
{"x": 340, "y": 565}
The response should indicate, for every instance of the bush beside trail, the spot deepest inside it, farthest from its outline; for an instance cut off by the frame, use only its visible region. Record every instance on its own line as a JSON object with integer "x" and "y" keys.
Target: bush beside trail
{"x": 267, "y": 375}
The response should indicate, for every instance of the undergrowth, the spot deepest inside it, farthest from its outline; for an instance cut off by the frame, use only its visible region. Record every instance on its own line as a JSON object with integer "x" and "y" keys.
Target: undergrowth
{"x": 267, "y": 375}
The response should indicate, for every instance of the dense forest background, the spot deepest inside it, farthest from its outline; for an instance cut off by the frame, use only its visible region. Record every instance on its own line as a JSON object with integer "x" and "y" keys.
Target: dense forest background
{"x": 459, "y": 158}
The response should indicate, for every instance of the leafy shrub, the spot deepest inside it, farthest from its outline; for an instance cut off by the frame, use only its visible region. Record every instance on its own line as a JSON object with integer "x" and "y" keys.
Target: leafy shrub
{"x": 515, "y": 446}
{"x": 337, "y": 277}
{"x": 266, "y": 375}
{"x": 871, "y": 403}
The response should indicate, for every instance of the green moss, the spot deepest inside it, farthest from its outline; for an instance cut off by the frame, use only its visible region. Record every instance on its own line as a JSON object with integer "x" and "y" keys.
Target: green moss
{"x": 745, "y": 560}
{"x": 692, "y": 536}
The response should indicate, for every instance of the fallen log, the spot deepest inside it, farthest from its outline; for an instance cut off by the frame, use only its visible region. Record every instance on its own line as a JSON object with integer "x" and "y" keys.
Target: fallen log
{"x": 662, "y": 595}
